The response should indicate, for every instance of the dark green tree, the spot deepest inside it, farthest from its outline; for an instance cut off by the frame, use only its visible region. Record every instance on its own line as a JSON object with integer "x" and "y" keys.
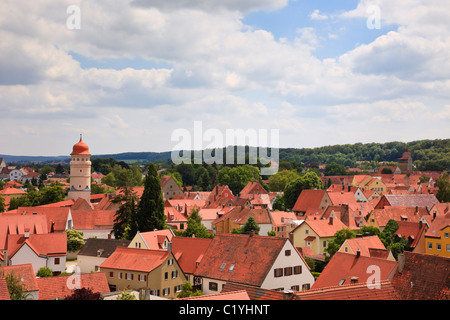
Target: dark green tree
{"x": 195, "y": 226}
{"x": 125, "y": 220}
{"x": 250, "y": 226}
{"x": 309, "y": 180}
{"x": 443, "y": 184}
{"x": 339, "y": 238}
{"x": 188, "y": 291}
{"x": 150, "y": 213}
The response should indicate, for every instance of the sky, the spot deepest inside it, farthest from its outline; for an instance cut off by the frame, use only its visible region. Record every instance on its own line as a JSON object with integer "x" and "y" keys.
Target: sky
{"x": 131, "y": 75}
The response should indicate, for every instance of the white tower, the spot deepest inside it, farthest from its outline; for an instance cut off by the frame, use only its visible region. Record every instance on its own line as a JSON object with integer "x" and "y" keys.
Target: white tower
{"x": 80, "y": 172}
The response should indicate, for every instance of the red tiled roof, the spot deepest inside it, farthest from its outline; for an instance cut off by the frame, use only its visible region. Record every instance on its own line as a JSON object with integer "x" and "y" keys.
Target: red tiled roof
{"x": 153, "y": 239}
{"x": 338, "y": 198}
{"x": 4, "y": 293}
{"x": 56, "y": 216}
{"x": 42, "y": 244}
{"x": 398, "y": 213}
{"x": 383, "y": 290}
{"x": 410, "y": 230}
{"x": 364, "y": 244}
{"x": 93, "y": 219}
{"x": 256, "y": 293}
{"x": 240, "y": 215}
{"x": 252, "y": 187}
{"x": 411, "y": 200}
{"x": 423, "y": 277}
{"x": 25, "y": 272}
{"x": 135, "y": 259}
{"x": 344, "y": 267}
{"x": 16, "y": 224}
{"x": 440, "y": 222}
{"x": 51, "y": 288}
{"x": 189, "y": 252}
{"x": 11, "y": 191}
{"x": 308, "y": 199}
{"x": 251, "y": 258}
{"x": 324, "y": 228}
{"x": 231, "y": 295}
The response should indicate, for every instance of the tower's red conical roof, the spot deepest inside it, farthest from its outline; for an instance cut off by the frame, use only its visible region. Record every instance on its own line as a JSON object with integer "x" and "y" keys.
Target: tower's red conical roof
{"x": 80, "y": 148}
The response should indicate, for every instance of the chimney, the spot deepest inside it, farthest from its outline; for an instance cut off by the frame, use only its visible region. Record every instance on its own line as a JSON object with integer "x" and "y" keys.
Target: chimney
{"x": 358, "y": 253}
{"x": 417, "y": 210}
{"x": 331, "y": 220}
{"x": 27, "y": 233}
{"x": 401, "y": 262}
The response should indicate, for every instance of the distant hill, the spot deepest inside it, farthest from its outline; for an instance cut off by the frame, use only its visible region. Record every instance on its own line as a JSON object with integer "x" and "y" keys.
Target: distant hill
{"x": 428, "y": 154}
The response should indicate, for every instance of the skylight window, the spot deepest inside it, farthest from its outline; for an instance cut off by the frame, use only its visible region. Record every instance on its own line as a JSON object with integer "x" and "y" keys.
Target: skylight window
{"x": 341, "y": 282}
{"x": 231, "y": 268}
{"x": 222, "y": 266}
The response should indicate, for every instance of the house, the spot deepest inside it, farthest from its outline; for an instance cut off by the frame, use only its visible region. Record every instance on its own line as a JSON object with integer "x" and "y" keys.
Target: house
{"x": 170, "y": 187}
{"x": 440, "y": 208}
{"x": 189, "y": 253}
{"x": 95, "y": 252}
{"x": 27, "y": 277}
{"x": 16, "y": 174}
{"x": 407, "y": 200}
{"x": 258, "y": 261}
{"x": 219, "y": 197}
{"x": 12, "y": 192}
{"x": 210, "y": 215}
{"x": 422, "y": 277}
{"x": 280, "y": 221}
{"x": 132, "y": 268}
{"x": 393, "y": 169}
{"x": 41, "y": 250}
{"x": 341, "y": 197}
{"x": 57, "y": 288}
{"x": 414, "y": 233}
{"x": 346, "y": 268}
{"x": 380, "y": 217}
{"x": 252, "y": 188}
{"x": 175, "y": 218}
{"x": 316, "y": 234}
{"x": 366, "y": 246}
{"x": 152, "y": 240}
{"x": 238, "y": 216}
{"x": 358, "y": 291}
{"x": 94, "y": 223}
{"x": 437, "y": 237}
{"x": 59, "y": 219}
{"x": 311, "y": 199}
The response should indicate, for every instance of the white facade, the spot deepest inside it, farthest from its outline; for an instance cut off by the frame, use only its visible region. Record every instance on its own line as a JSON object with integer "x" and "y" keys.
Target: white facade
{"x": 289, "y": 258}
{"x": 15, "y": 175}
{"x": 88, "y": 264}
{"x": 26, "y": 255}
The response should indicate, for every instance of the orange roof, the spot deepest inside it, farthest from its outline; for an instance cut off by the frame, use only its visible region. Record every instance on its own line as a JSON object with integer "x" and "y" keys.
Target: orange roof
{"x": 11, "y": 191}
{"x": 16, "y": 224}
{"x": 154, "y": 239}
{"x": 80, "y": 148}
{"x": 240, "y": 258}
{"x": 364, "y": 244}
{"x": 410, "y": 230}
{"x": 398, "y": 213}
{"x": 253, "y": 187}
{"x": 4, "y": 293}
{"x": 144, "y": 260}
{"x": 343, "y": 267}
{"x": 324, "y": 228}
{"x": 256, "y": 293}
{"x": 439, "y": 223}
{"x": 189, "y": 252}
{"x": 93, "y": 219}
{"x": 51, "y": 288}
{"x": 280, "y": 218}
{"x": 57, "y": 217}
{"x": 309, "y": 199}
{"x": 25, "y": 272}
{"x": 359, "y": 291}
{"x": 232, "y": 295}
{"x": 240, "y": 215}
{"x": 338, "y": 198}
{"x": 42, "y": 244}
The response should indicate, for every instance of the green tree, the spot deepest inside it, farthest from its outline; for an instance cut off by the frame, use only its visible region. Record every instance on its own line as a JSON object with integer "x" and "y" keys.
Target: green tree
{"x": 44, "y": 272}
{"x": 16, "y": 288}
{"x": 2, "y": 204}
{"x": 237, "y": 178}
{"x": 150, "y": 213}
{"x": 187, "y": 291}
{"x": 334, "y": 169}
{"x": 74, "y": 240}
{"x": 195, "y": 226}
{"x": 109, "y": 180}
{"x": 52, "y": 194}
{"x": 125, "y": 218}
{"x": 250, "y": 226}
{"x": 281, "y": 179}
{"x": 279, "y": 203}
{"x": 443, "y": 184}
{"x": 309, "y": 180}
{"x": 125, "y": 295}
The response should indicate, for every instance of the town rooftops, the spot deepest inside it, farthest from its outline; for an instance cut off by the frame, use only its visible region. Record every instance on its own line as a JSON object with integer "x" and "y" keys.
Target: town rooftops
{"x": 308, "y": 199}
{"x": 144, "y": 260}
{"x": 189, "y": 252}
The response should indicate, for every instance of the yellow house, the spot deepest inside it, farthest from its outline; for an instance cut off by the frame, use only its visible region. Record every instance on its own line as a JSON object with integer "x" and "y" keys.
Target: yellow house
{"x": 157, "y": 270}
{"x": 316, "y": 234}
{"x": 360, "y": 180}
{"x": 437, "y": 238}
{"x": 376, "y": 185}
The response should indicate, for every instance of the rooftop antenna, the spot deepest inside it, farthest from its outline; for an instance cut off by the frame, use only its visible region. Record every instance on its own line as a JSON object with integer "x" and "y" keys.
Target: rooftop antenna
{"x": 81, "y": 136}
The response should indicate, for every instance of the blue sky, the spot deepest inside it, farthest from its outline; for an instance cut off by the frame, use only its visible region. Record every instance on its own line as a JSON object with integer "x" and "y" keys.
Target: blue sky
{"x": 136, "y": 71}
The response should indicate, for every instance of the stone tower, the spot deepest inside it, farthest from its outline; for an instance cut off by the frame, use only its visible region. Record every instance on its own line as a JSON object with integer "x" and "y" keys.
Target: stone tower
{"x": 80, "y": 172}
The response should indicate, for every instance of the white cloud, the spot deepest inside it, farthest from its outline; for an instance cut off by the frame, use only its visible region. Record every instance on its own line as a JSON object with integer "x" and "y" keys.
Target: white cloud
{"x": 316, "y": 15}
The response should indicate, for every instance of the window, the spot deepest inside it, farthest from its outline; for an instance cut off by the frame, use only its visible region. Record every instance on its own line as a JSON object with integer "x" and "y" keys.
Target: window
{"x": 111, "y": 274}
{"x": 297, "y": 269}
{"x": 222, "y": 266}
{"x": 174, "y": 274}
{"x": 295, "y": 288}
{"x": 166, "y": 275}
{"x": 287, "y": 252}
{"x": 154, "y": 292}
{"x": 288, "y": 271}
{"x": 278, "y": 272}
{"x": 324, "y": 243}
{"x": 448, "y": 248}
{"x": 166, "y": 291}
{"x": 306, "y": 286}
{"x": 170, "y": 262}
{"x": 306, "y": 231}
{"x": 445, "y": 234}
{"x": 129, "y": 276}
{"x": 119, "y": 275}
{"x": 341, "y": 282}
{"x": 142, "y": 277}
{"x": 430, "y": 245}
{"x": 177, "y": 288}
{"x": 231, "y": 267}
{"x": 345, "y": 249}
{"x": 438, "y": 246}
{"x": 213, "y": 286}
{"x": 56, "y": 260}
